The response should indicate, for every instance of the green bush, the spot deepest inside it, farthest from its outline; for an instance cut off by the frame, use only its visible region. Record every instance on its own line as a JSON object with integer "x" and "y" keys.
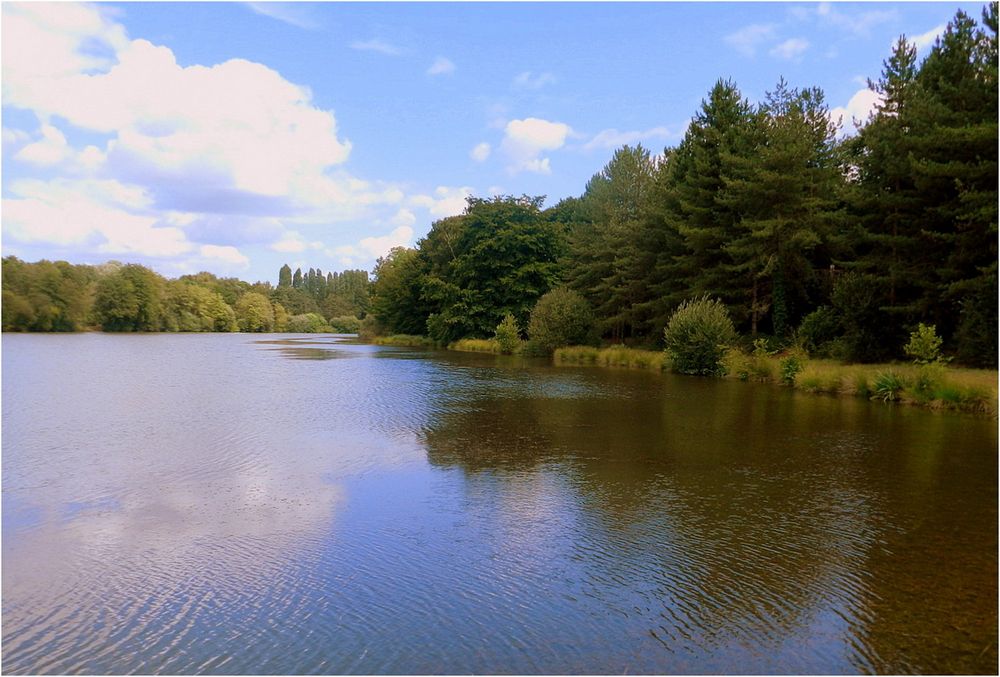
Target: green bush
{"x": 789, "y": 367}
{"x": 857, "y": 300}
{"x": 925, "y": 345}
{"x": 697, "y": 336}
{"x": 345, "y": 324}
{"x": 561, "y": 318}
{"x": 307, "y": 323}
{"x": 507, "y": 335}
{"x": 818, "y": 329}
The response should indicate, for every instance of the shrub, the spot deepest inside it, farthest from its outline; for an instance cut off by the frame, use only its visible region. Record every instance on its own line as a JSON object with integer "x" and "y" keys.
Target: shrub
{"x": 736, "y": 363}
{"x": 345, "y": 324}
{"x": 508, "y": 336}
{"x": 857, "y": 300}
{"x": 818, "y": 329}
{"x": 307, "y": 323}
{"x": 470, "y": 345}
{"x": 697, "y": 336}
{"x": 925, "y": 345}
{"x": 561, "y": 317}
{"x": 789, "y": 367}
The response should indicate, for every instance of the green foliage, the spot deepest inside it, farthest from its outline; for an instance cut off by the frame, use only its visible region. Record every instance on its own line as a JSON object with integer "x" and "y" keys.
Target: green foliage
{"x": 396, "y": 292}
{"x": 308, "y": 323}
{"x": 46, "y": 296}
{"x": 888, "y": 385}
{"x": 507, "y": 335}
{"x": 818, "y": 330}
{"x": 789, "y": 367}
{"x": 130, "y": 299}
{"x": 561, "y": 317}
{"x": 924, "y": 345}
{"x": 857, "y": 300}
{"x": 254, "y": 313}
{"x": 404, "y": 340}
{"x": 697, "y": 335}
{"x": 345, "y": 324}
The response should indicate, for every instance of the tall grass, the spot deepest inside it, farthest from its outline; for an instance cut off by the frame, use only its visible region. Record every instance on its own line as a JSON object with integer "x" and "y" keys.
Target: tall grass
{"x": 404, "y": 340}
{"x": 934, "y": 386}
{"x": 475, "y": 346}
{"x": 615, "y": 356}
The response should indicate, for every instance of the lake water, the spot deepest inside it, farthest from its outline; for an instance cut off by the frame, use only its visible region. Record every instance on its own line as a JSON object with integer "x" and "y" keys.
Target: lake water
{"x": 229, "y": 503}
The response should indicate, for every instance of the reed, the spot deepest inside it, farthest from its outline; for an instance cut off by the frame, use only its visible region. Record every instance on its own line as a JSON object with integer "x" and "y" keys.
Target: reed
{"x": 615, "y": 356}
{"x": 404, "y": 340}
{"x": 469, "y": 345}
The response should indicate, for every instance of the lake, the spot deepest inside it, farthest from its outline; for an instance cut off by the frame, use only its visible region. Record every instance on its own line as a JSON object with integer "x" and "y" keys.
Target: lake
{"x": 231, "y": 503}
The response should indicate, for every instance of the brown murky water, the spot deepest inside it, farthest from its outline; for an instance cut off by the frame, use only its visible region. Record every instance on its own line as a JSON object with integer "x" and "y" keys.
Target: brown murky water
{"x": 237, "y": 504}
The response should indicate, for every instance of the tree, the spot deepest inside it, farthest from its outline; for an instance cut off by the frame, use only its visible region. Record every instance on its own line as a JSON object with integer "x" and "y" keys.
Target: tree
{"x": 130, "y": 299}
{"x": 285, "y": 276}
{"x": 396, "y": 292}
{"x": 297, "y": 279}
{"x": 254, "y": 313}
{"x": 609, "y": 267}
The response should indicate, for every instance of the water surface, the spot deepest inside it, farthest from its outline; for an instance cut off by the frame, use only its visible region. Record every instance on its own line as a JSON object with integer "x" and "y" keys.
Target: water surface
{"x": 228, "y": 504}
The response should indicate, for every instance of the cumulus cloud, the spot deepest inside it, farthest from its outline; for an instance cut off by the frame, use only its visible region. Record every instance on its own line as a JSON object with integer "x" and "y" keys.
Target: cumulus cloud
{"x": 525, "y": 140}
{"x": 529, "y": 80}
{"x": 376, "y": 45}
{"x": 372, "y": 247}
{"x": 220, "y": 154}
{"x": 790, "y": 49}
{"x": 856, "y": 112}
{"x": 612, "y": 138}
{"x": 748, "y": 39}
{"x": 107, "y": 214}
{"x": 226, "y": 254}
{"x": 294, "y": 242}
{"x": 446, "y": 201}
{"x": 441, "y": 66}
{"x": 480, "y": 152}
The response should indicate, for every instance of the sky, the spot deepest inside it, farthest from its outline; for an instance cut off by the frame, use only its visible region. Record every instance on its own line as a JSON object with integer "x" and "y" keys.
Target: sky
{"x": 235, "y": 137}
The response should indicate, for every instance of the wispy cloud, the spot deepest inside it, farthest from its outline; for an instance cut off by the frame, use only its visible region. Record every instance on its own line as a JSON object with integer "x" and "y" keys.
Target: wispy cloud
{"x": 856, "y": 23}
{"x": 529, "y": 80}
{"x": 292, "y": 13}
{"x": 376, "y": 45}
{"x": 925, "y": 40}
{"x": 790, "y": 49}
{"x": 480, "y": 152}
{"x": 441, "y": 66}
{"x": 748, "y": 39}
{"x": 612, "y": 138}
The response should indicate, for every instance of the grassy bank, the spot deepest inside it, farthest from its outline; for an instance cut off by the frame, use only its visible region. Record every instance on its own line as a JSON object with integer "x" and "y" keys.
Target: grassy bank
{"x": 932, "y": 386}
{"x": 404, "y": 340}
{"x": 475, "y": 346}
{"x": 615, "y": 356}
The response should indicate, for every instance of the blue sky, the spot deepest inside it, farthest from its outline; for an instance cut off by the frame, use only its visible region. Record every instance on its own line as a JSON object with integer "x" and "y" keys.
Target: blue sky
{"x": 234, "y": 137}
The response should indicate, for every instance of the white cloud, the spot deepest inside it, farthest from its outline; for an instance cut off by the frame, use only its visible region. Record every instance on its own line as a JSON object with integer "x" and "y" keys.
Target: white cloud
{"x": 525, "y": 140}
{"x": 925, "y": 40}
{"x": 857, "y": 110}
{"x": 106, "y": 214}
{"x": 480, "y": 152}
{"x": 612, "y": 138}
{"x": 529, "y": 80}
{"x": 376, "y": 45}
{"x": 371, "y": 247}
{"x": 292, "y": 13}
{"x": 51, "y": 149}
{"x": 441, "y": 66}
{"x": 749, "y": 38}
{"x": 404, "y": 217}
{"x": 291, "y": 243}
{"x": 446, "y": 201}
{"x": 790, "y": 49}
{"x": 226, "y": 254}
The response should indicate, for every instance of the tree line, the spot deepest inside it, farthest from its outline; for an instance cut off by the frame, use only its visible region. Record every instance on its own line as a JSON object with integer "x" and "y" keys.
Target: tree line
{"x": 842, "y": 245}
{"x": 59, "y": 296}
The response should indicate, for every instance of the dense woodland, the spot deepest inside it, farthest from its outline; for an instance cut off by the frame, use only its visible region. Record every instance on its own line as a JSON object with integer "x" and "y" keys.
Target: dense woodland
{"x": 841, "y": 245}
{"x": 46, "y": 296}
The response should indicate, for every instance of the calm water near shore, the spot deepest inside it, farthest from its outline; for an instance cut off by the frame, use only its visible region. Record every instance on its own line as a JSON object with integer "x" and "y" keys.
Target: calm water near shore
{"x": 227, "y": 503}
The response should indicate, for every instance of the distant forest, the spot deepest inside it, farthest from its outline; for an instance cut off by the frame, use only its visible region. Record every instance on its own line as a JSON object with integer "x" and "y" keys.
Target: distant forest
{"x": 844, "y": 245}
